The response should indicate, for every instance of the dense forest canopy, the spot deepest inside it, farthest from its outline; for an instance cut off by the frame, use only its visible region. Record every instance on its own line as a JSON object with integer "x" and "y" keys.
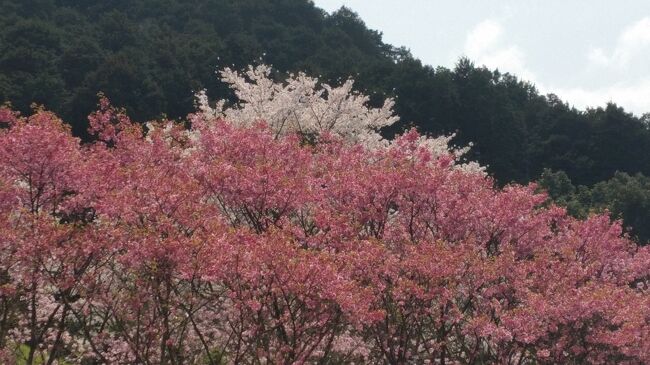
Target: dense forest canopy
{"x": 151, "y": 56}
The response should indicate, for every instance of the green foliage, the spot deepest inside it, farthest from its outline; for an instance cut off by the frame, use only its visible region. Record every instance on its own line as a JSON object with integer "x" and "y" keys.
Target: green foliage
{"x": 150, "y": 56}
{"x": 22, "y": 353}
{"x": 626, "y": 197}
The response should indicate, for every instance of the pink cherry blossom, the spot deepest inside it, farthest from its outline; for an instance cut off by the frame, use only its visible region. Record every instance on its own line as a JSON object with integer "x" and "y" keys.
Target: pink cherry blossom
{"x": 229, "y": 242}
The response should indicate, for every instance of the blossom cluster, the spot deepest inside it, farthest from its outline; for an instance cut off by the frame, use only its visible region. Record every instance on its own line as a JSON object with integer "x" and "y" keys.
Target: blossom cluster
{"x": 237, "y": 242}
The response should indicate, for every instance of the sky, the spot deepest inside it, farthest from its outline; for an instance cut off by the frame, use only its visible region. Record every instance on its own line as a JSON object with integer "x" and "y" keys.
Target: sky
{"x": 588, "y": 52}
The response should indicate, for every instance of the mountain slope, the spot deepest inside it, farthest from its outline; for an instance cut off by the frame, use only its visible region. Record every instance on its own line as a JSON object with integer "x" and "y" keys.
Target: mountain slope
{"x": 151, "y": 55}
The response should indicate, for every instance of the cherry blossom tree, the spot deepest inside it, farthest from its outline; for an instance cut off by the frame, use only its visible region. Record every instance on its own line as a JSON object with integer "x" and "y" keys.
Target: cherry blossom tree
{"x": 234, "y": 241}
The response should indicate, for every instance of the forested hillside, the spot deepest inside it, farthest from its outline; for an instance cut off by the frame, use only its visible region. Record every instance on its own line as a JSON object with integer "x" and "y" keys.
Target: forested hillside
{"x": 261, "y": 182}
{"x": 150, "y": 56}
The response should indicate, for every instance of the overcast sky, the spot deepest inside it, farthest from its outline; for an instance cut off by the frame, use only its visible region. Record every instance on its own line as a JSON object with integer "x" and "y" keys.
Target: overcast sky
{"x": 587, "y": 51}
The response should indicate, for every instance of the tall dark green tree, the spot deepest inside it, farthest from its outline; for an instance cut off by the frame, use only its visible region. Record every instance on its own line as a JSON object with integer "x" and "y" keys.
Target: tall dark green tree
{"x": 624, "y": 196}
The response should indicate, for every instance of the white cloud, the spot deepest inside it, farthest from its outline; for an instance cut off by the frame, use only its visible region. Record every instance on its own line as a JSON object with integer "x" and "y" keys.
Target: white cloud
{"x": 629, "y": 53}
{"x": 598, "y": 57}
{"x": 634, "y": 97}
{"x": 630, "y": 44}
{"x": 484, "y": 36}
{"x": 485, "y": 45}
